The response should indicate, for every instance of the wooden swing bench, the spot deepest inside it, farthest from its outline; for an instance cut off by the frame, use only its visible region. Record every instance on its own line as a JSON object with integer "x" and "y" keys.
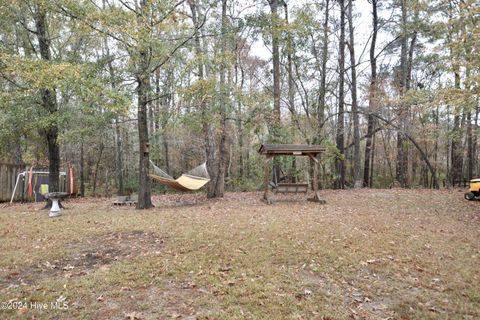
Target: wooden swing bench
{"x": 279, "y": 185}
{"x": 272, "y": 150}
{"x": 290, "y": 187}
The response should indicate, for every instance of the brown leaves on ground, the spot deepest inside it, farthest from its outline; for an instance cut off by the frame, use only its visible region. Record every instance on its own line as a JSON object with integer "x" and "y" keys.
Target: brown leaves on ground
{"x": 366, "y": 254}
{"x": 94, "y": 253}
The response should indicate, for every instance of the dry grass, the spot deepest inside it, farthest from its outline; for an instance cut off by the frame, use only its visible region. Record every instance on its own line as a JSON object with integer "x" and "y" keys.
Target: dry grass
{"x": 367, "y": 254}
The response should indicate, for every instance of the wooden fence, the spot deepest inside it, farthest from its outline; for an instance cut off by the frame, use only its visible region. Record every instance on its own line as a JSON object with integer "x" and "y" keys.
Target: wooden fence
{"x": 8, "y": 177}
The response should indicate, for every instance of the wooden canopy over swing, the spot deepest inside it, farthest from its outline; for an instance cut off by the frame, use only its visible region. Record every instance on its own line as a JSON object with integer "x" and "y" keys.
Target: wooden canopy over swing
{"x": 272, "y": 150}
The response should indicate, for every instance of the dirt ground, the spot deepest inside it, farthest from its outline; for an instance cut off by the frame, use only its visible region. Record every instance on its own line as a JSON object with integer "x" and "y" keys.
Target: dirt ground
{"x": 366, "y": 254}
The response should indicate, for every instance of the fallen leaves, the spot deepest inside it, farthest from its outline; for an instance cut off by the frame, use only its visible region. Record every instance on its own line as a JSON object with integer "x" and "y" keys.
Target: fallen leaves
{"x": 22, "y": 311}
{"x": 189, "y": 285}
{"x": 133, "y": 316}
{"x": 366, "y": 263}
{"x": 49, "y": 265}
{"x": 68, "y": 267}
{"x": 225, "y": 269}
{"x": 216, "y": 254}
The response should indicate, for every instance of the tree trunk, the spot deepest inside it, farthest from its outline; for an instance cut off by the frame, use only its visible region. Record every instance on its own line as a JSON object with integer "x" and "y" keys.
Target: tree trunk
{"x": 371, "y": 98}
{"x": 239, "y": 111}
{"x": 222, "y": 156}
{"x": 17, "y": 146}
{"x": 402, "y": 152}
{"x": 208, "y": 130}
{"x": 119, "y": 158}
{"x": 291, "y": 87}
{"x": 475, "y": 141}
{"x": 143, "y": 88}
{"x": 97, "y": 166}
{"x": 356, "y": 125}
{"x": 82, "y": 170}
{"x": 411, "y": 166}
{"x": 372, "y": 164}
{"x": 144, "y": 183}
{"x": 54, "y": 159}
{"x": 49, "y": 103}
{"x": 435, "y": 159}
{"x": 275, "y": 25}
{"x": 340, "y": 162}
{"x": 151, "y": 119}
{"x": 470, "y": 155}
{"x": 456, "y": 143}
{"x": 128, "y": 150}
{"x": 470, "y": 145}
{"x": 118, "y": 140}
{"x": 166, "y": 152}
{"x": 323, "y": 77}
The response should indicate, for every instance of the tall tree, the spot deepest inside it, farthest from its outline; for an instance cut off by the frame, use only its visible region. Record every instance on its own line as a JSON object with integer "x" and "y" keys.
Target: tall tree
{"x": 323, "y": 76}
{"x": 118, "y": 139}
{"x": 275, "y": 27}
{"x": 208, "y": 129}
{"x": 340, "y": 161}
{"x": 456, "y": 134}
{"x": 49, "y": 99}
{"x": 367, "y": 181}
{"x": 224, "y": 97}
{"x": 289, "y": 51}
{"x": 403, "y": 113}
{"x": 142, "y": 77}
{"x": 356, "y": 123}
{"x": 469, "y": 104}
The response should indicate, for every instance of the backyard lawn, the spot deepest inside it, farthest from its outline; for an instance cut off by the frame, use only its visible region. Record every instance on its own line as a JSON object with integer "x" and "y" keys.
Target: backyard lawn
{"x": 366, "y": 254}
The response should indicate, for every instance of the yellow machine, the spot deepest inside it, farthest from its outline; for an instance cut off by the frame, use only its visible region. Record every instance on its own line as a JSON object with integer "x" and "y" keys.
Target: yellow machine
{"x": 474, "y": 190}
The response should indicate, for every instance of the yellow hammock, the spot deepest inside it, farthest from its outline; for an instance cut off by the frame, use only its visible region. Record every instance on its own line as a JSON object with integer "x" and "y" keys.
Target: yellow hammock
{"x": 190, "y": 181}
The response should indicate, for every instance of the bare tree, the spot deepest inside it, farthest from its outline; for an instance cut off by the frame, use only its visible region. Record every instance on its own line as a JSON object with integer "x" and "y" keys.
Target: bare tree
{"x": 356, "y": 125}
{"x": 340, "y": 136}
{"x": 367, "y": 181}
{"x": 403, "y": 114}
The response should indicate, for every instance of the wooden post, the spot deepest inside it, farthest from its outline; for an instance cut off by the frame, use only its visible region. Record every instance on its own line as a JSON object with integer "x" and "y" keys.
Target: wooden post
{"x": 266, "y": 179}
{"x": 316, "y": 195}
{"x": 315, "y": 175}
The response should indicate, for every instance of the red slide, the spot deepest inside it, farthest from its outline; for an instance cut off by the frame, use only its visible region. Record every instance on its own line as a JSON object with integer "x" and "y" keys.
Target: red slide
{"x": 71, "y": 178}
{"x": 30, "y": 187}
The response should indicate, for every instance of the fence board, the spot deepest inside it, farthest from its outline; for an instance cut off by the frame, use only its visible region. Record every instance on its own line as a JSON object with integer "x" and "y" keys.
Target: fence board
{"x": 8, "y": 177}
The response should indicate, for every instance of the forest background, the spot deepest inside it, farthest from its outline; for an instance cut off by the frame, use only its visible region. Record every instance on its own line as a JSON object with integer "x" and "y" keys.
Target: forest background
{"x": 390, "y": 89}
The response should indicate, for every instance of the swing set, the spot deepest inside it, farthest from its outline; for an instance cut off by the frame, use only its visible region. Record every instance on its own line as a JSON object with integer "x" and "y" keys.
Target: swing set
{"x": 277, "y": 184}
{"x": 34, "y": 184}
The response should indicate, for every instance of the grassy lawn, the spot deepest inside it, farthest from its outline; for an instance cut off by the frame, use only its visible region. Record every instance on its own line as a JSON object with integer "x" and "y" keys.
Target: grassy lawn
{"x": 367, "y": 254}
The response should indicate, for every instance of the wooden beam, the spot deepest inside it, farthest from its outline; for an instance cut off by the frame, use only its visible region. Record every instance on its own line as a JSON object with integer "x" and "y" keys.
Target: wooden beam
{"x": 313, "y": 157}
{"x": 266, "y": 180}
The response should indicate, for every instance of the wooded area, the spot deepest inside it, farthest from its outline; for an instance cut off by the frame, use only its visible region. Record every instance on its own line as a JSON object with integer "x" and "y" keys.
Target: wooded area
{"x": 389, "y": 88}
